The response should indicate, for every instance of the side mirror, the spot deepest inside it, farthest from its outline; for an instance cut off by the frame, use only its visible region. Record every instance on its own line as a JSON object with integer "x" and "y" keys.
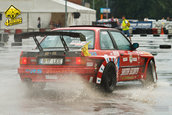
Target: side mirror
{"x": 135, "y": 46}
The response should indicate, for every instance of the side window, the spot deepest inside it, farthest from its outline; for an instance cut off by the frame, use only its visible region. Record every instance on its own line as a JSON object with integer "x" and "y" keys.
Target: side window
{"x": 105, "y": 41}
{"x": 121, "y": 42}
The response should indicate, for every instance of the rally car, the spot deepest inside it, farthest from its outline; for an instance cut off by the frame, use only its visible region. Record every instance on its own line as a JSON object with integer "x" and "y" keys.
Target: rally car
{"x": 100, "y": 55}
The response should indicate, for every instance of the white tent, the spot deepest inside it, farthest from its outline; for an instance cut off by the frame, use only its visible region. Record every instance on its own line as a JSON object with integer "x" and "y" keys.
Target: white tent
{"x": 46, "y": 10}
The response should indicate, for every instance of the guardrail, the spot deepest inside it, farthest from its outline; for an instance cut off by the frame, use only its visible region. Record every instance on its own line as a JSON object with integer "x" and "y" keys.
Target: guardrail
{"x": 141, "y": 27}
{"x": 153, "y": 44}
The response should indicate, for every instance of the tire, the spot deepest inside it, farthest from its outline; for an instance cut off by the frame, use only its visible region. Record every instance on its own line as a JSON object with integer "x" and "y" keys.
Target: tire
{"x": 109, "y": 78}
{"x": 150, "y": 75}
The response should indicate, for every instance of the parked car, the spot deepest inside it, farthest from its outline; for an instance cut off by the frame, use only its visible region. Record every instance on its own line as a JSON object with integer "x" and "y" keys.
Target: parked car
{"x": 100, "y": 55}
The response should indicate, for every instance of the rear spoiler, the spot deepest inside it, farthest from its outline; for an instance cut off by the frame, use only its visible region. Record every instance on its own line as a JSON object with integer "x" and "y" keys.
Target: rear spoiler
{"x": 52, "y": 33}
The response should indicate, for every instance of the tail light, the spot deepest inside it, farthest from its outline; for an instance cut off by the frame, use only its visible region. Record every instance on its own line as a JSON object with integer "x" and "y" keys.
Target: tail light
{"x": 23, "y": 60}
{"x": 75, "y": 61}
{"x": 28, "y": 60}
{"x": 78, "y": 60}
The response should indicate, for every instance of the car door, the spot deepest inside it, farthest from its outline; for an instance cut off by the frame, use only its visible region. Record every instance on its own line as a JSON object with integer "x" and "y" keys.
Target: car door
{"x": 129, "y": 59}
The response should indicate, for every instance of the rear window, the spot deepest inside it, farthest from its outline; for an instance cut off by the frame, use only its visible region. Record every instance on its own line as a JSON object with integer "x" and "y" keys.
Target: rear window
{"x": 54, "y": 41}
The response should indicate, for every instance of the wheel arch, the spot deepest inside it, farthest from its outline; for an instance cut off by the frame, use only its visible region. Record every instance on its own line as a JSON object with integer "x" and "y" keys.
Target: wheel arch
{"x": 147, "y": 61}
{"x": 114, "y": 60}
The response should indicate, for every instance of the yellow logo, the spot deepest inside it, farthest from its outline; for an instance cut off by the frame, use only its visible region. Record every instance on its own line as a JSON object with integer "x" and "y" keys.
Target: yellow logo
{"x": 12, "y": 13}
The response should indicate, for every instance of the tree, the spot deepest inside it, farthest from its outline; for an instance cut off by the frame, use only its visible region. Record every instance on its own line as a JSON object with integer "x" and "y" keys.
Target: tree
{"x": 98, "y": 4}
{"x": 136, "y": 9}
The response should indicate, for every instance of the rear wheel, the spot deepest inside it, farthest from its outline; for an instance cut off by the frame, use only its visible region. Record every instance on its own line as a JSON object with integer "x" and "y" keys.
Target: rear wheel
{"x": 109, "y": 78}
{"x": 150, "y": 75}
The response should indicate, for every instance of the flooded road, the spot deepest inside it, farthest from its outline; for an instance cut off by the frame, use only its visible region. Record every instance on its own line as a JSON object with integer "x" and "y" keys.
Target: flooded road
{"x": 128, "y": 99}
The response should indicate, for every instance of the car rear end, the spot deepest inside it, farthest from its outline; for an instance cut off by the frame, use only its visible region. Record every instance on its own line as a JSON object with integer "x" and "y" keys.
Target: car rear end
{"x": 54, "y": 63}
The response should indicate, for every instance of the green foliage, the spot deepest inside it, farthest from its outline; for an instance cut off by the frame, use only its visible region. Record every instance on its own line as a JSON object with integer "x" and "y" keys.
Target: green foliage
{"x": 136, "y": 9}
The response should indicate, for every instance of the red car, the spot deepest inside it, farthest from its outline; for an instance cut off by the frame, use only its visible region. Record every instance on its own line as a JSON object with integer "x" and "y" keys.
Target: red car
{"x": 100, "y": 55}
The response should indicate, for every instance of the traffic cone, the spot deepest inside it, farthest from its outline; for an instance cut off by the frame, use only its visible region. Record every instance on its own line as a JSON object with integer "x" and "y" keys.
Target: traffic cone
{"x": 162, "y": 30}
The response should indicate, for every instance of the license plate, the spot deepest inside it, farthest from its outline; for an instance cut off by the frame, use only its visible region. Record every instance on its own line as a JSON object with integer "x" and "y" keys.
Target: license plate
{"x": 51, "y": 77}
{"x": 55, "y": 77}
{"x": 51, "y": 61}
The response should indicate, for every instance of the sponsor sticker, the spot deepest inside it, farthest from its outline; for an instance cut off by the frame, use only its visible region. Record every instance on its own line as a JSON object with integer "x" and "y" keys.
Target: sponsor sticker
{"x": 130, "y": 71}
{"x": 93, "y": 53}
{"x": 33, "y": 71}
{"x": 134, "y": 71}
{"x": 128, "y": 77}
{"x": 101, "y": 68}
{"x": 125, "y": 59}
{"x": 98, "y": 80}
{"x": 134, "y": 59}
{"x": 116, "y": 53}
{"x": 125, "y": 71}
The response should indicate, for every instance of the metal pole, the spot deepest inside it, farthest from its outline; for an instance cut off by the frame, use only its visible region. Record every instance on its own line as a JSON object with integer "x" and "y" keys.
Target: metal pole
{"x": 107, "y": 4}
{"x": 93, "y": 5}
{"x": 27, "y": 21}
{"x": 0, "y": 21}
{"x": 65, "y": 13}
{"x": 83, "y": 2}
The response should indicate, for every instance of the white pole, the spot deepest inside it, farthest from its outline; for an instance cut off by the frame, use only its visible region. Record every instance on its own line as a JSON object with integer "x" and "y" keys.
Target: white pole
{"x": 65, "y": 13}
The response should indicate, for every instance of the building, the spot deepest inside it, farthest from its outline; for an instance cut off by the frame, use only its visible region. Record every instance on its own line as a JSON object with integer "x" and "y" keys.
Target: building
{"x": 76, "y": 1}
{"x": 50, "y": 12}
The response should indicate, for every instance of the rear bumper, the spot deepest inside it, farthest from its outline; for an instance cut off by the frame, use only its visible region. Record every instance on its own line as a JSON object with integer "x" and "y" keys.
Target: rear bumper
{"x": 56, "y": 74}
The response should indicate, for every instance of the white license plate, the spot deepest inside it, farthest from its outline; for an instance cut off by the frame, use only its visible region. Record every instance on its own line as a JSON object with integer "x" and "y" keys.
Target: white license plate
{"x": 51, "y": 77}
{"x": 55, "y": 77}
{"x": 49, "y": 61}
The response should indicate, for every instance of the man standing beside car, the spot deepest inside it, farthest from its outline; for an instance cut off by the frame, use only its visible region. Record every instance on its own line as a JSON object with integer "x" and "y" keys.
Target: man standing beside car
{"x": 125, "y": 26}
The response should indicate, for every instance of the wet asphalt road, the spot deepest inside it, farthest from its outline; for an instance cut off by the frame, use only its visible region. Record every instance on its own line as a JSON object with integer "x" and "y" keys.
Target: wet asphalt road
{"x": 80, "y": 99}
